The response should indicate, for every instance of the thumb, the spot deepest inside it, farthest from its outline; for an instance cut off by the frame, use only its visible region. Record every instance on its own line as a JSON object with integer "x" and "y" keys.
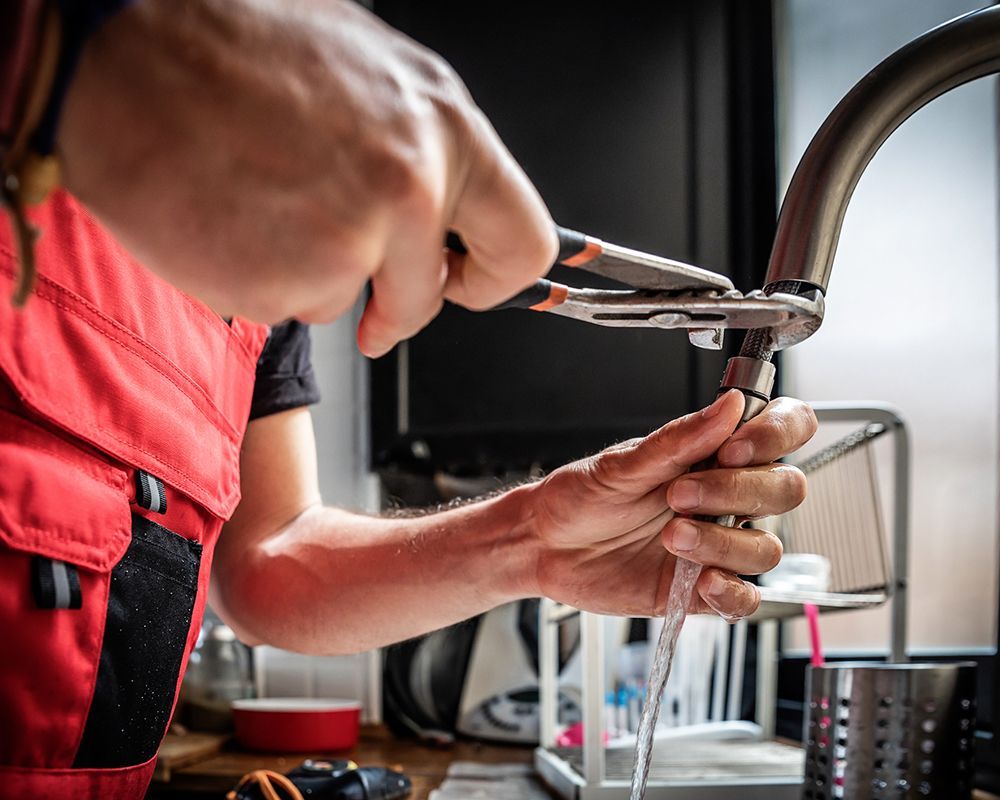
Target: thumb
{"x": 676, "y": 447}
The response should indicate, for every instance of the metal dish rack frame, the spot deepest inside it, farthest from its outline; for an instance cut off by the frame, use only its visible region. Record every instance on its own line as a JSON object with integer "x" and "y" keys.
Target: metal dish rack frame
{"x": 591, "y": 781}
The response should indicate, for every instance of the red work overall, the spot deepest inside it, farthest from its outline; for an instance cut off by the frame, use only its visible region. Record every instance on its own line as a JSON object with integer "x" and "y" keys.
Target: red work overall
{"x": 123, "y": 405}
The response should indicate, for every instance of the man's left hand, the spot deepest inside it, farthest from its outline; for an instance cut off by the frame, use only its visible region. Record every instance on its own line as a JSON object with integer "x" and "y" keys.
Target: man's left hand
{"x": 610, "y": 528}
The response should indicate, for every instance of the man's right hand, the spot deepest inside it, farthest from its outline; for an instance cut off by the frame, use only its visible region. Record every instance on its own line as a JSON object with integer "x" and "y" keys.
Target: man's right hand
{"x": 271, "y": 157}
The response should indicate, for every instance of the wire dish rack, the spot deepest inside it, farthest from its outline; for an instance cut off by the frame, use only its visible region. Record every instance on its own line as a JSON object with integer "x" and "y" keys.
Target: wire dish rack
{"x": 842, "y": 520}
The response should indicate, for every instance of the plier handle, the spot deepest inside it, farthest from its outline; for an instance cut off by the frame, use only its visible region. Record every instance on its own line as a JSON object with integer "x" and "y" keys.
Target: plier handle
{"x": 666, "y": 294}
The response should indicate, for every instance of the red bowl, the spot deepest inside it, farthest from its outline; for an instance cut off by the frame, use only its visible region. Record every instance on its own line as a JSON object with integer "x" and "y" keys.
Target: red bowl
{"x": 297, "y": 724}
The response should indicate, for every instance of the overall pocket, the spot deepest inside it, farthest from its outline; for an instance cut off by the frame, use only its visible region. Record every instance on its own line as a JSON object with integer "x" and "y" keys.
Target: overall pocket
{"x": 150, "y": 603}
{"x": 64, "y": 524}
{"x": 95, "y": 607}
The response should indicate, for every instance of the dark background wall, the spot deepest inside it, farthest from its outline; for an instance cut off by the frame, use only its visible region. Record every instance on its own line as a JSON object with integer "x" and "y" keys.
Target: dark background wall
{"x": 646, "y": 124}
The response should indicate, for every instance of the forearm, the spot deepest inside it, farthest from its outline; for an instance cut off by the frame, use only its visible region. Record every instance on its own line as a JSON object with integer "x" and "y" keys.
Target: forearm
{"x": 600, "y": 534}
{"x": 335, "y": 582}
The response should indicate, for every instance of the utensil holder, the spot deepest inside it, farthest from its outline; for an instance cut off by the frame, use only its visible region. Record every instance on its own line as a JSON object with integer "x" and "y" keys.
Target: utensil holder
{"x": 890, "y": 731}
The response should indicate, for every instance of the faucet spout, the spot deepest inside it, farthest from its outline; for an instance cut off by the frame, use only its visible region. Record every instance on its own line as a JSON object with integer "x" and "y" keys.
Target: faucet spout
{"x": 812, "y": 213}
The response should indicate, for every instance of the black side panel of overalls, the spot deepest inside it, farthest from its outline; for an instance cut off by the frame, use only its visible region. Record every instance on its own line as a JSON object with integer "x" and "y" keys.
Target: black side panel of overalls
{"x": 152, "y": 596}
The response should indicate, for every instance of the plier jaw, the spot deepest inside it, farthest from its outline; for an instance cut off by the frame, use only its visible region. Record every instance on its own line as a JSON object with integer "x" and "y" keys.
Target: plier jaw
{"x": 706, "y": 315}
{"x": 665, "y": 294}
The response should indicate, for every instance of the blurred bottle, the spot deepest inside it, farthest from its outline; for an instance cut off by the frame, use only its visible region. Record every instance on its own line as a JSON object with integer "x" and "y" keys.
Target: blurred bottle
{"x": 220, "y": 670}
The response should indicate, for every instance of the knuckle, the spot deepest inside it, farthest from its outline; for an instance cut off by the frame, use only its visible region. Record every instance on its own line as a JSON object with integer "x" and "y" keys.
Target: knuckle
{"x": 456, "y": 110}
{"x": 724, "y": 544}
{"x": 399, "y": 167}
{"x": 440, "y": 75}
{"x": 745, "y": 493}
{"x": 393, "y": 168}
{"x": 734, "y": 484}
{"x": 621, "y": 449}
{"x": 432, "y": 77}
{"x": 603, "y": 470}
{"x": 436, "y": 75}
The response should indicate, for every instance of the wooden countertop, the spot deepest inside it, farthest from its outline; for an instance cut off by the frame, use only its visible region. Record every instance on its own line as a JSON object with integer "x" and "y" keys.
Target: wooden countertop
{"x": 425, "y": 766}
{"x": 216, "y": 773}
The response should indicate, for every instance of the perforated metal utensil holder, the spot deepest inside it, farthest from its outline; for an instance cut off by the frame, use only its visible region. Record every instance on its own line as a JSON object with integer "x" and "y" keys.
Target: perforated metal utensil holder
{"x": 890, "y": 731}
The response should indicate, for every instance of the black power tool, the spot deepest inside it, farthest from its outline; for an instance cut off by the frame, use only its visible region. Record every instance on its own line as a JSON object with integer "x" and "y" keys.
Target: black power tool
{"x": 324, "y": 780}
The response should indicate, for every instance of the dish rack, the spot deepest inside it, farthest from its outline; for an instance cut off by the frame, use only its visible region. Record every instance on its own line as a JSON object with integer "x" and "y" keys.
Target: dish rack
{"x": 721, "y": 760}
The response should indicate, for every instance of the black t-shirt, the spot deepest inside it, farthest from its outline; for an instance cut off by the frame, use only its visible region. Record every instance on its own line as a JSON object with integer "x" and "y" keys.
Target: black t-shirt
{"x": 285, "y": 378}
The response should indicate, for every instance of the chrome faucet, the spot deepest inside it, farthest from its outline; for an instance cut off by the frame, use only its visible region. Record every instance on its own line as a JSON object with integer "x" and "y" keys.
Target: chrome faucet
{"x": 959, "y": 51}
{"x": 812, "y": 213}
{"x": 805, "y": 243}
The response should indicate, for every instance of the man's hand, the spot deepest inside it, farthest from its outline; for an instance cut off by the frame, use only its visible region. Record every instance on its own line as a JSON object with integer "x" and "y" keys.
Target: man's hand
{"x": 599, "y": 534}
{"x": 610, "y": 527}
{"x": 271, "y": 157}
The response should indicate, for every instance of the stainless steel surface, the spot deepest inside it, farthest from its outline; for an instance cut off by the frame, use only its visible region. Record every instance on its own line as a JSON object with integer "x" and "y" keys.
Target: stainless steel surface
{"x": 646, "y": 271}
{"x": 790, "y": 318}
{"x": 813, "y": 210}
{"x": 707, "y": 338}
{"x": 567, "y": 783}
{"x": 749, "y": 375}
{"x": 716, "y": 770}
{"x": 890, "y": 731}
{"x": 787, "y": 603}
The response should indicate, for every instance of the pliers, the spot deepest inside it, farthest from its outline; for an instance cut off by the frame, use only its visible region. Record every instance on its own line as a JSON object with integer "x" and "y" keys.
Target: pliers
{"x": 664, "y": 294}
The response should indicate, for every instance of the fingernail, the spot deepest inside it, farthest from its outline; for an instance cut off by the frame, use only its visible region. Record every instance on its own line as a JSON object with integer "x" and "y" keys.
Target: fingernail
{"x": 685, "y": 495}
{"x": 686, "y": 536}
{"x": 716, "y": 407}
{"x": 737, "y": 454}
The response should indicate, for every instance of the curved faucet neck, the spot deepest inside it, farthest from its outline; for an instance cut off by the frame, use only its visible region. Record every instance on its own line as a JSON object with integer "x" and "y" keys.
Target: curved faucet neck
{"x": 812, "y": 213}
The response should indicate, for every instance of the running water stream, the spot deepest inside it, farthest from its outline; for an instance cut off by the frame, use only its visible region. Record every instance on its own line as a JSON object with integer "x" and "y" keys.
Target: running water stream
{"x": 686, "y": 574}
{"x": 753, "y": 374}
{"x": 679, "y": 600}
